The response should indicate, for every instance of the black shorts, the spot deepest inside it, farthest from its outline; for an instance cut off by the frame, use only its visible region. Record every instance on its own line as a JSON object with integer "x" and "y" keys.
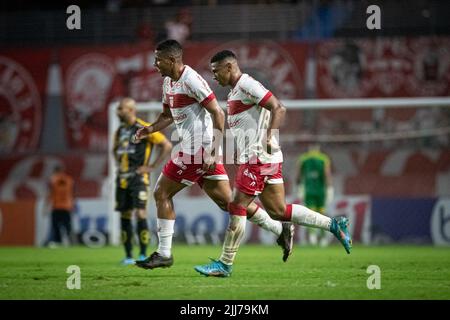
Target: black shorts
{"x": 134, "y": 195}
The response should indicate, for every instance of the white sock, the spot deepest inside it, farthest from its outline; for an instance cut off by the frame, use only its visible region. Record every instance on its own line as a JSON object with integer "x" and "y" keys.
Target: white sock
{"x": 165, "y": 233}
{"x": 233, "y": 237}
{"x": 307, "y": 217}
{"x": 262, "y": 219}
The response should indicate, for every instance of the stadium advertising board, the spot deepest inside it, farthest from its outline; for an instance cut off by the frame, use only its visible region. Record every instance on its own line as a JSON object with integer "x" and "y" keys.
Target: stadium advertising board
{"x": 89, "y": 222}
{"x": 411, "y": 220}
{"x": 17, "y": 223}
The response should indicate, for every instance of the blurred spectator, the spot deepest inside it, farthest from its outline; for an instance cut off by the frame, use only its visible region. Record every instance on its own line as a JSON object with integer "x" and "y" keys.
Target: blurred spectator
{"x": 61, "y": 200}
{"x": 180, "y": 28}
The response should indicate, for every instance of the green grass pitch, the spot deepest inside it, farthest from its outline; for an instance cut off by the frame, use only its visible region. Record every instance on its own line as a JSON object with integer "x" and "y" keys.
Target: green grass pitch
{"x": 407, "y": 272}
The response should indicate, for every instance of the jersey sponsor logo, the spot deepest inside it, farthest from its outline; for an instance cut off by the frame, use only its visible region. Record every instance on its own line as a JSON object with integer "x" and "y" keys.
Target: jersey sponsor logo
{"x": 20, "y": 107}
{"x": 232, "y": 124}
{"x": 179, "y": 117}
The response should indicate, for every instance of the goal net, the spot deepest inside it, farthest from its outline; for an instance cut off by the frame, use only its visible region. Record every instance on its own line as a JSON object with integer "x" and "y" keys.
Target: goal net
{"x": 393, "y": 147}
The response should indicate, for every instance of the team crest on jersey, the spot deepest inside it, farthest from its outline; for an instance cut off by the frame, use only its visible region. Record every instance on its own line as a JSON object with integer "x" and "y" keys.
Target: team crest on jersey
{"x": 20, "y": 107}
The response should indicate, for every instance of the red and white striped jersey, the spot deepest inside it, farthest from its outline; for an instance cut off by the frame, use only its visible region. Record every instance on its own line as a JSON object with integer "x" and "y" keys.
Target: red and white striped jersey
{"x": 186, "y": 99}
{"x": 248, "y": 121}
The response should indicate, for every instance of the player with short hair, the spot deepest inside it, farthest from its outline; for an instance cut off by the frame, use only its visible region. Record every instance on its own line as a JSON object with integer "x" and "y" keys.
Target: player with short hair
{"x": 133, "y": 175}
{"x": 254, "y": 114}
{"x": 189, "y": 102}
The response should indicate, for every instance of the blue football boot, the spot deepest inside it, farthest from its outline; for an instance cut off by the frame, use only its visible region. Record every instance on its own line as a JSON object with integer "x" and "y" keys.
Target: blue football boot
{"x": 142, "y": 257}
{"x": 339, "y": 229}
{"x": 127, "y": 261}
{"x": 216, "y": 269}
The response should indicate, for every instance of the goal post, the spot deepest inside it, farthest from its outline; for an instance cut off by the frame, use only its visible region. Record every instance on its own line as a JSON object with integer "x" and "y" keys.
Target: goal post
{"x": 376, "y": 106}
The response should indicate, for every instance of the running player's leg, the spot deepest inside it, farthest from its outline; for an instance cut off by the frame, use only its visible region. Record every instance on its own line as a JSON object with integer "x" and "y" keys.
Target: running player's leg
{"x": 165, "y": 189}
{"x": 220, "y": 192}
{"x": 273, "y": 199}
{"x": 233, "y": 237}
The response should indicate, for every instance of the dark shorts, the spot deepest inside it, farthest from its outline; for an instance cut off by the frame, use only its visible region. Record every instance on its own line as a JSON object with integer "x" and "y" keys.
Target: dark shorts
{"x": 131, "y": 193}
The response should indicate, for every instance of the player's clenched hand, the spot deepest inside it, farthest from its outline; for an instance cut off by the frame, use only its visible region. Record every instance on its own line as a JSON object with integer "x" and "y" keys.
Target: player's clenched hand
{"x": 141, "y": 134}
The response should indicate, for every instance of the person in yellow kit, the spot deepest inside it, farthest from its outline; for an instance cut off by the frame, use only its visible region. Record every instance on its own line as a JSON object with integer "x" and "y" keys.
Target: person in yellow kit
{"x": 61, "y": 198}
{"x": 133, "y": 175}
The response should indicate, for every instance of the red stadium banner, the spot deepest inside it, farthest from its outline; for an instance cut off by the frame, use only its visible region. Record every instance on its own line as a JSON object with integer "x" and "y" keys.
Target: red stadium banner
{"x": 389, "y": 67}
{"x": 17, "y": 223}
{"x": 23, "y": 79}
{"x": 26, "y": 177}
{"x": 95, "y": 76}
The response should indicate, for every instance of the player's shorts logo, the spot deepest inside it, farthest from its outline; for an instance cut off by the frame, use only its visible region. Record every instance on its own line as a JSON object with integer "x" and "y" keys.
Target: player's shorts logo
{"x": 20, "y": 108}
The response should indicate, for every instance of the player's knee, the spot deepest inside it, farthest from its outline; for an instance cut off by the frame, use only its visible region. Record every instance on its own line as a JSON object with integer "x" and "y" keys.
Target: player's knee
{"x": 222, "y": 204}
{"x": 141, "y": 213}
{"x": 277, "y": 213}
{"x": 160, "y": 194}
{"x": 126, "y": 214}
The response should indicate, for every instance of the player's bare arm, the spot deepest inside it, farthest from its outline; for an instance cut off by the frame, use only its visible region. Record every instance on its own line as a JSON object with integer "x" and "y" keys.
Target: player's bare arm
{"x": 218, "y": 119}
{"x": 278, "y": 112}
{"x": 164, "y": 150}
{"x": 164, "y": 120}
{"x": 115, "y": 146}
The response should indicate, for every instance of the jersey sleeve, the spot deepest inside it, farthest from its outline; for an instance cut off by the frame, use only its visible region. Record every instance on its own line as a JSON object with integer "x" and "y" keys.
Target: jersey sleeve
{"x": 164, "y": 99}
{"x": 256, "y": 92}
{"x": 156, "y": 138}
{"x": 199, "y": 89}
